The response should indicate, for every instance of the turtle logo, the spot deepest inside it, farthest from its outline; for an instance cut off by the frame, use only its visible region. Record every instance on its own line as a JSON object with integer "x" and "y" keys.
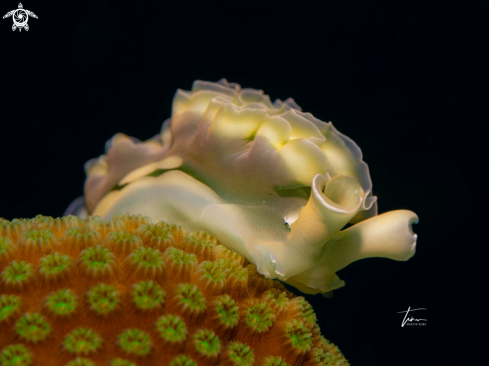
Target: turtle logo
{"x": 20, "y": 17}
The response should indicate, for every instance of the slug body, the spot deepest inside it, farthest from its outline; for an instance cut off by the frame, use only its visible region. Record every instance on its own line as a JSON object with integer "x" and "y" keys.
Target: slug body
{"x": 270, "y": 182}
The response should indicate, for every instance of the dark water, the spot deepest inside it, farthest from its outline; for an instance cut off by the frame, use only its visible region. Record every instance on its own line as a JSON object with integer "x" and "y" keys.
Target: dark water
{"x": 396, "y": 78}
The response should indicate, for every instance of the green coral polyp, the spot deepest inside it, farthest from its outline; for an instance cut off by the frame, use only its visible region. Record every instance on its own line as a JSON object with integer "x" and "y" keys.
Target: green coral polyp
{"x": 232, "y": 268}
{"x": 321, "y": 357}
{"x": 9, "y": 305}
{"x": 37, "y": 237}
{"x": 33, "y": 243}
{"x": 78, "y": 233}
{"x": 198, "y": 242}
{"x": 105, "y": 227}
{"x": 299, "y": 335}
{"x": 259, "y": 317}
{"x": 62, "y": 303}
{"x": 17, "y": 274}
{"x": 97, "y": 259}
{"x": 154, "y": 232}
{"x": 161, "y": 231}
{"x": 122, "y": 242}
{"x": 15, "y": 227}
{"x": 32, "y": 327}
{"x": 331, "y": 351}
{"x": 228, "y": 310}
{"x": 171, "y": 328}
{"x": 191, "y": 296}
{"x": 148, "y": 295}
{"x": 241, "y": 354}
{"x": 212, "y": 271}
{"x": 103, "y": 299}
{"x": 308, "y": 311}
{"x": 76, "y": 238}
{"x": 182, "y": 360}
{"x": 178, "y": 256}
{"x": 57, "y": 225}
{"x": 82, "y": 341}
{"x": 282, "y": 300}
{"x": 15, "y": 355}
{"x": 240, "y": 275}
{"x": 121, "y": 362}
{"x": 121, "y": 236}
{"x": 136, "y": 342}
{"x": 54, "y": 265}
{"x": 274, "y": 361}
{"x": 6, "y": 245}
{"x": 80, "y": 361}
{"x": 207, "y": 343}
{"x": 148, "y": 258}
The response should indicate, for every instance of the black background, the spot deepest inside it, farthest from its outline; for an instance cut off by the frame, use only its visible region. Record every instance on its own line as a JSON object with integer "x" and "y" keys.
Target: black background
{"x": 403, "y": 80}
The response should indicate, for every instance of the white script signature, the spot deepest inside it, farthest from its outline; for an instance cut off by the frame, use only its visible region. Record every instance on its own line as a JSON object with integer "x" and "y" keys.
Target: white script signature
{"x": 407, "y": 318}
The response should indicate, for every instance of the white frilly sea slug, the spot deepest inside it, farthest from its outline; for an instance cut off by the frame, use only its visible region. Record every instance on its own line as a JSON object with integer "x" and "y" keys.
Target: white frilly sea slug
{"x": 270, "y": 182}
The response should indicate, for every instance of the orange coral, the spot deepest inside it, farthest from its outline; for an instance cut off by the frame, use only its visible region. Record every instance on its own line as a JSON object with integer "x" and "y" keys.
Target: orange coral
{"x": 128, "y": 292}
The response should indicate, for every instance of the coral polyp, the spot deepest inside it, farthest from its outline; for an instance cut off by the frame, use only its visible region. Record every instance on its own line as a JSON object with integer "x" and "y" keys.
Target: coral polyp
{"x": 97, "y": 263}
{"x": 145, "y": 262}
{"x": 17, "y": 276}
{"x": 238, "y": 354}
{"x": 9, "y": 305}
{"x": 32, "y": 327}
{"x": 82, "y": 341}
{"x": 121, "y": 362}
{"x": 34, "y": 243}
{"x": 15, "y": 355}
{"x": 259, "y": 317}
{"x": 135, "y": 342}
{"x": 55, "y": 269}
{"x": 61, "y": 304}
{"x": 148, "y": 295}
{"x": 224, "y": 311}
{"x": 103, "y": 299}
{"x": 206, "y": 345}
{"x": 182, "y": 360}
{"x": 171, "y": 328}
{"x": 128, "y": 292}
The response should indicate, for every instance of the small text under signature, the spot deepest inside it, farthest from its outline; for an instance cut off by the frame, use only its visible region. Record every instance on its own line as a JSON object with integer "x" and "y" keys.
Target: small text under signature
{"x": 408, "y": 318}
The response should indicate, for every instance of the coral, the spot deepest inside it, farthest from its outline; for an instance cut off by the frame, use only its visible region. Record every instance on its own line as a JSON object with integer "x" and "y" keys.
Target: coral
{"x": 269, "y": 181}
{"x": 127, "y": 298}
{"x": 61, "y": 303}
{"x": 172, "y": 329}
{"x": 135, "y": 341}
{"x": 17, "y": 276}
{"x": 15, "y": 355}
{"x": 32, "y": 327}
{"x": 9, "y": 305}
{"x": 82, "y": 341}
{"x": 237, "y": 353}
{"x": 55, "y": 269}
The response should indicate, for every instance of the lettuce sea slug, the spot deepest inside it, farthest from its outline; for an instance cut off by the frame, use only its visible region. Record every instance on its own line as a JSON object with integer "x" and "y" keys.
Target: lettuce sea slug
{"x": 272, "y": 183}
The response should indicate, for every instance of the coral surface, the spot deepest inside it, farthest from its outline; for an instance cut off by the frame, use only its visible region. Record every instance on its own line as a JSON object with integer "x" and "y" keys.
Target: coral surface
{"x": 271, "y": 182}
{"x": 129, "y": 292}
